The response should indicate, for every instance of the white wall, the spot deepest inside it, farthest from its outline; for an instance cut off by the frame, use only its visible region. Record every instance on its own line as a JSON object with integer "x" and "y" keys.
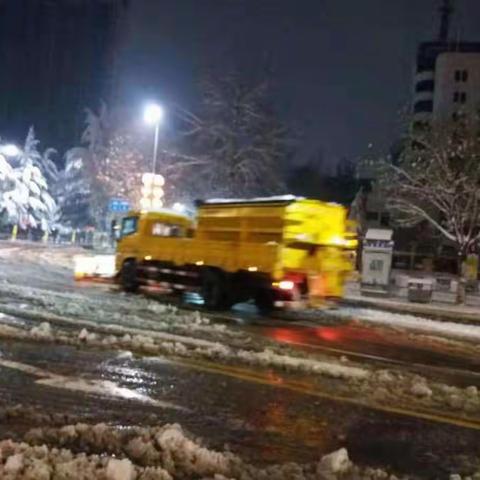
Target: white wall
{"x": 446, "y": 84}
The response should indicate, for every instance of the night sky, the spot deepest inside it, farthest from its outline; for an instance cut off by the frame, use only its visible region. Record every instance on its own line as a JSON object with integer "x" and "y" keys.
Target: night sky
{"x": 343, "y": 68}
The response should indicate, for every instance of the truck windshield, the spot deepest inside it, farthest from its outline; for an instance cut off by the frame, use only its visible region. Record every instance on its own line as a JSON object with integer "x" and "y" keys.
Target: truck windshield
{"x": 129, "y": 226}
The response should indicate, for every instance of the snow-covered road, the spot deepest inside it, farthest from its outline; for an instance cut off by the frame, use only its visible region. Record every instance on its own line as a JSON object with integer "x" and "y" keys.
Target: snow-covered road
{"x": 276, "y": 391}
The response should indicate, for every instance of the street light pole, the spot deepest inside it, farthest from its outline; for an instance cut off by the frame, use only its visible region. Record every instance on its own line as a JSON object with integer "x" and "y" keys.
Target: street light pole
{"x": 155, "y": 147}
{"x": 153, "y": 115}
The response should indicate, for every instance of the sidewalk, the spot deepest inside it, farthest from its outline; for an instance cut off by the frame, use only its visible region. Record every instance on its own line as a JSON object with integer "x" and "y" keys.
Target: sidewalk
{"x": 469, "y": 313}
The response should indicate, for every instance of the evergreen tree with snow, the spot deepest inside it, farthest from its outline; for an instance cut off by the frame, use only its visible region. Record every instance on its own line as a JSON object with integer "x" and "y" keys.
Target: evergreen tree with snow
{"x": 109, "y": 164}
{"x": 74, "y": 190}
{"x": 80, "y": 192}
{"x": 26, "y": 198}
{"x": 30, "y": 154}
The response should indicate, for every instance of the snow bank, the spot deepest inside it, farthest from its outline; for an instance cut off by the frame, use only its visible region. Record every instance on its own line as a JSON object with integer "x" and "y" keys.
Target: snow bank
{"x": 268, "y": 358}
{"x": 120, "y": 469}
{"x": 44, "y": 330}
{"x": 157, "y": 453}
{"x": 334, "y": 463}
{"x": 411, "y": 322}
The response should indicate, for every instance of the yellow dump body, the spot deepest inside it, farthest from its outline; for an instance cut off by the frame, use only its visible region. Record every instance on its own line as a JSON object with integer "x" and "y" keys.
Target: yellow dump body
{"x": 290, "y": 227}
{"x": 277, "y": 238}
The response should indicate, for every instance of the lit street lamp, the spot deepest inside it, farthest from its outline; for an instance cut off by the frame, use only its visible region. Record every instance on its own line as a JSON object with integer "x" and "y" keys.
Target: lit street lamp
{"x": 153, "y": 115}
{"x": 152, "y": 191}
{"x": 10, "y": 150}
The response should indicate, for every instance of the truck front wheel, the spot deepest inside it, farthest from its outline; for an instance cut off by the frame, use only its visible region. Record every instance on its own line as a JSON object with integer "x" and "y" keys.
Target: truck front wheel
{"x": 129, "y": 276}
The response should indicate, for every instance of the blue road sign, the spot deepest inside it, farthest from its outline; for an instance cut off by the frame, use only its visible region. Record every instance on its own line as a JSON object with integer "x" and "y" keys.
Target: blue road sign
{"x": 117, "y": 205}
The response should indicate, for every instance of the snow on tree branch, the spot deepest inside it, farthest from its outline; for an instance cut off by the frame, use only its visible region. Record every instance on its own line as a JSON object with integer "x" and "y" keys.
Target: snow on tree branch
{"x": 437, "y": 180}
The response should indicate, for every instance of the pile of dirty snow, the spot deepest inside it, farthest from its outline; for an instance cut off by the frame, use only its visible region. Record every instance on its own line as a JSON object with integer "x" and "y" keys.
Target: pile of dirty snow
{"x": 161, "y": 453}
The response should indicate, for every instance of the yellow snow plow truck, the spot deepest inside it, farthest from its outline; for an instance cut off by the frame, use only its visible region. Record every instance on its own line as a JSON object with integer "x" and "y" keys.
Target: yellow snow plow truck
{"x": 278, "y": 251}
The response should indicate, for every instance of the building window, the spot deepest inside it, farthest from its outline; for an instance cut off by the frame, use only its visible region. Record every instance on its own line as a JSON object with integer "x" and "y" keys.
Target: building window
{"x": 461, "y": 75}
{"x": 460, "y": 97}
{"x": 423, "y": 106}
{"x": 385, "y": 219}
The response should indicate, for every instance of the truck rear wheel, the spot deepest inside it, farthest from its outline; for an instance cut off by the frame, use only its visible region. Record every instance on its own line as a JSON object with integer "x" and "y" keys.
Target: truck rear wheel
{"x": 129, "y": 276}
{"x": 215, "y": 290}
{"x": 265, "y": 301}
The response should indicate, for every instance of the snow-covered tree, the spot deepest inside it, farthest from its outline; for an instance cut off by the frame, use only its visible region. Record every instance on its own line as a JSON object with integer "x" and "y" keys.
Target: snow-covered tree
{"x": 30, "y": 154}
{"x": 81, "y": 194}
{"x": 26, "y": 199}
{"x": 97, "y": 130}
{"x": 121, "y": 170}
{"x": 6, "y": 172}
{"x": 109, "y": 164}
{"x": 237, "y": 139}
{"x": 74, "y": 189}
{"x": 436, "y": 180}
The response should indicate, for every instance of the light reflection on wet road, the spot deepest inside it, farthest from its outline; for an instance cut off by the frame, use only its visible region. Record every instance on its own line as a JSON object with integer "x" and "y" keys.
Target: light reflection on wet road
{"x": 263, "y": 423}
{"x": 453, "y": 366}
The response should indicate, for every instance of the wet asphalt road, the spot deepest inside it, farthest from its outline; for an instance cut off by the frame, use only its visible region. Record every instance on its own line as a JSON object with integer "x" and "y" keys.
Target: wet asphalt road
{"x": 263, "y": 423}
